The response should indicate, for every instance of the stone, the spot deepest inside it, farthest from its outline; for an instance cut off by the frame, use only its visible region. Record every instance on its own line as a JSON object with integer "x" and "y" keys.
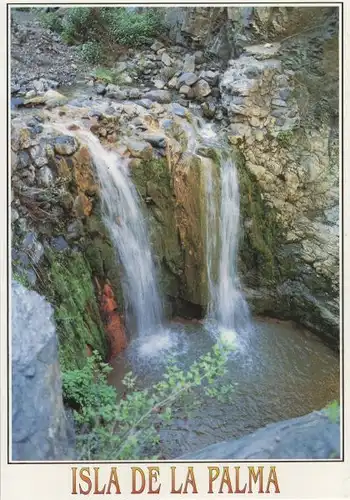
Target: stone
{"x": 134, "y": 94}
{"x": 187, "y": 79}
{"x": 159, "y": 84}
{"x": 201, "y": 89}
{"x": 83, "y": 172}
{"x": 313, "y": 436}
{"x": 167, "y": 72}
{"x": 82, "y": 206}
{"x": 178, "y": 110}
{"x": 279, "y": 102}
{"x": 185, "y": 89}
{"x": 166, "y": 59}
{"x": 161, "y": 96}
{"x": 45, "y": 176}
{"x": 189, "y": 63}
{"x": 65, "y": 145}
{"x": 38, "y": 155}
{"x": 198, "y": 57}
{"x": 114, "y": 92}
{"x": 100, "y": 89}
{"x": 212, "y": 77}
{"x": 173, "y": 83}
{"x": 157, "y": 46}
{"x": 156, "y": 140}
{"x": 40, "y": 427}
{"x": 140, "y": 149}
{"x": 208, "y": 109}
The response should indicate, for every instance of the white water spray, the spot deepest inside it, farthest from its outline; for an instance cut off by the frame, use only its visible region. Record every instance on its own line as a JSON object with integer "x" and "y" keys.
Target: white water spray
{"x": 123, "y": 218}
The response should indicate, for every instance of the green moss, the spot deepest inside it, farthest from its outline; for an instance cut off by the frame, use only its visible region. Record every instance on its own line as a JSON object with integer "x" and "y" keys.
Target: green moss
{"x": 69, "y": 287}
{"x": 285, "y": 138}
{"x": 262, "y": 234}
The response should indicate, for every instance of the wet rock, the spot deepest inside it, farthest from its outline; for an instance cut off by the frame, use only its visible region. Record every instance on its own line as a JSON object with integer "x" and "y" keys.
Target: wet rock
{"x": 75, "y": 230}
{"x": 313, "y": 436}
{"x": 161, "y": 96}
{"x": 100, "y": 89}
{"x": 201, "y": 89}
{"x": 40, "y": 429}
{"x": 178, "y": 110}
{"x": 83, "y": 172}
{"x": 209, "y": 109}
{"x": 65, "y": 145}
{"x": 82, "y": 206}
{"x": 156, "y": 140}
{"x": 140, "y": 149}
{"x": 59, "y": 243}
{"x": 113, "y": 324}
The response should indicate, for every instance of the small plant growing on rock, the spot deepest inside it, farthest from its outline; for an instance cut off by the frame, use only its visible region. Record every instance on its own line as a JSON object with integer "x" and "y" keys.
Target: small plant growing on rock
{"x": 127, "y": 426}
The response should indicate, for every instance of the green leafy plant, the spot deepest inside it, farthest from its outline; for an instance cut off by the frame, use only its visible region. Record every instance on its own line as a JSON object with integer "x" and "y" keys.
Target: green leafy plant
{"x": 126, "y": 426}
{"x": 108, "y": 25}
{"x": 51, "y": 21}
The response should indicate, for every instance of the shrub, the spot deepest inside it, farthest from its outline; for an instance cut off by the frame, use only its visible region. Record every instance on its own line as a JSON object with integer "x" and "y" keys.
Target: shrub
{"x": 128, "y": 428}
{"x": 52, "y": 21}
{"x": 111, "y": 25}
{"x": 91, "y": 52}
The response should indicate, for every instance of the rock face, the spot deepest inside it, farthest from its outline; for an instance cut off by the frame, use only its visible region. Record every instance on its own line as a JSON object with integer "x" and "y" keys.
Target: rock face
{"x": 312, "y": 436}
{"x": 40, "y": 428}
{"x": 289, "y": 181}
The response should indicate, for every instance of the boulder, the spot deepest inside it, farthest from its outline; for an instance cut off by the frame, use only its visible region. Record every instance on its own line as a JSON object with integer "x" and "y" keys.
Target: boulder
{"x": 40, "y": 427}
{"x": 201, "y": 89}
{"x": 313, "y": 436}
{"x": 161, "y": 96}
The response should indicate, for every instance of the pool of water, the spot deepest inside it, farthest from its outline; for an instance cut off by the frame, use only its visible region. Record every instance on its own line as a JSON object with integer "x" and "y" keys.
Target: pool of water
{"x": 279, "y": 371}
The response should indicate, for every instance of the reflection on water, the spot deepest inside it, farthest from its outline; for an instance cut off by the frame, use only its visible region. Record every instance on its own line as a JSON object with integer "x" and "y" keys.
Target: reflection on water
{"x": 283, "y": 372}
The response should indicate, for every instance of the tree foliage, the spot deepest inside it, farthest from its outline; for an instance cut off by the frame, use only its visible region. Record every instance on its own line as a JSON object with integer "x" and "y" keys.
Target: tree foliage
{"x": 127, "y": 426}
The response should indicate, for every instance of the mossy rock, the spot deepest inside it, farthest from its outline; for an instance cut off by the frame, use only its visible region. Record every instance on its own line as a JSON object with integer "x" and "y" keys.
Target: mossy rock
{"x": 69, "y": 286}
{"x": 262, "y": 236}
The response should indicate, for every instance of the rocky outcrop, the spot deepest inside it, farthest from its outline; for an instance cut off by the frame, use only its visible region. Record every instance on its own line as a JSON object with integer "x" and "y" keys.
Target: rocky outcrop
{"x": 40, "y": 427}
{"x": 289, "y": 182}
{"x": 314, "y": 436}
{"x": 224, "y": 31}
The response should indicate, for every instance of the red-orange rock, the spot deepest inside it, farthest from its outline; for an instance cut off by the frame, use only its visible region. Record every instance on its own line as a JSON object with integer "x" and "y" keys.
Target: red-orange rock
{"x": 113, "y": 323}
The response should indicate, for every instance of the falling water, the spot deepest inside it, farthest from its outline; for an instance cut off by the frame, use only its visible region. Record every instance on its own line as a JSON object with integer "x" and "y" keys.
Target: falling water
{"x": 231, "y": 308}
{"x": 227, "y": 303}
{"x": 123, "y": 218}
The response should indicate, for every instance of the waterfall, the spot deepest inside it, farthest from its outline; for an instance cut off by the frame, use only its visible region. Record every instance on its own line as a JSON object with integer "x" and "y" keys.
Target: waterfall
{"x": 125, "y": 222}
{"x": 124, "y": 219}
{"x": 231, "y": 308}
{"x": 227, "y": 305}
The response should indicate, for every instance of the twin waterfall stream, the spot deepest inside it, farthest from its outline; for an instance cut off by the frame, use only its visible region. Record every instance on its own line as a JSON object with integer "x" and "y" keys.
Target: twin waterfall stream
{"x": 122, "y": 215}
